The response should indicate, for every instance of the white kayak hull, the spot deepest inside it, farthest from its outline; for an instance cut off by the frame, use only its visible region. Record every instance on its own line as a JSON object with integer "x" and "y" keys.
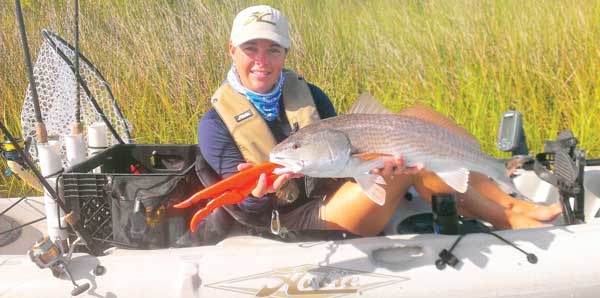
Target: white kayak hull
{"x": 394, "y": 266}
{"x": 568, "y": 262}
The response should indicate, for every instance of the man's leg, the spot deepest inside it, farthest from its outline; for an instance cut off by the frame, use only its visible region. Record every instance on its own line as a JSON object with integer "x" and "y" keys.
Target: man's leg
{"x": 352, "y": 210}
{"x": 485, "y": 186}
{"x": 474, "y": 204}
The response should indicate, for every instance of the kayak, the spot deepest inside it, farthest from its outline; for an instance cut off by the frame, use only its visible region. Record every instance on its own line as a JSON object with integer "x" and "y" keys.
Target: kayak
{"x": 557, "y": 261}
{"x": 407, "y": 260}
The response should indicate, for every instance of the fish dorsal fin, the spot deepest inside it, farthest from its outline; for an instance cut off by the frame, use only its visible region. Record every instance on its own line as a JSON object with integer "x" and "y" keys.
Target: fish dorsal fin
{"x": 426, "y": 114}
{"x": 366, "y": 103}
{"x": 457, "y": 179}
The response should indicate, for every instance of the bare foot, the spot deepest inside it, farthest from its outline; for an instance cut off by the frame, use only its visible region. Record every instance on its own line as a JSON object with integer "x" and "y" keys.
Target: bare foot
{"x": 520, "y": 221}
{"x": 543, "y": 213}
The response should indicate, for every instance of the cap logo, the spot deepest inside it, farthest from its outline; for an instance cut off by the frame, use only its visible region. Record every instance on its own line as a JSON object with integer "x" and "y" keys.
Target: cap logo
{"x": 258, "y": 17}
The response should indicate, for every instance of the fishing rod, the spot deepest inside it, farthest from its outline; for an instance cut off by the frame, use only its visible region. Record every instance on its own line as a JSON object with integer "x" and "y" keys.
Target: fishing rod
{"x": 85, "y": 87}
{"x": 77, "y": 227}
{"x": 74, "y": 143}
{"x": 42, "y": 137}
{"x": 40, "y": 129}
{"x": 77, "y": 128}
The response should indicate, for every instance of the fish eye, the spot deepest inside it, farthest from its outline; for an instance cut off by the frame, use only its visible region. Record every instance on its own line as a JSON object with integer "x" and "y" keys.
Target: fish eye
{"x": 295, "y": 146}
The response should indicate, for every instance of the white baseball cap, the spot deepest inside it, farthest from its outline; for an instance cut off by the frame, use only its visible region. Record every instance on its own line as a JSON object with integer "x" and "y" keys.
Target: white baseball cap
{"x": 260, "y": 22}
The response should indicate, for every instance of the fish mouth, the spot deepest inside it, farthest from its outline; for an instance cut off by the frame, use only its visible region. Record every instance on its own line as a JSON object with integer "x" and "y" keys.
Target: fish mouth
{"x": 289, "y": 165}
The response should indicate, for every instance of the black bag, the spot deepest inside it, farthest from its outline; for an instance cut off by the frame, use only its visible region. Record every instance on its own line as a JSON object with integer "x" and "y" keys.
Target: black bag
{"x": 130, "y": 203}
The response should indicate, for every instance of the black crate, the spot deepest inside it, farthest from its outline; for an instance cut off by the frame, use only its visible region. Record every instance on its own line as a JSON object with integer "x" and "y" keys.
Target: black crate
{"x": 85, "y": 194}
{"x": 129, "y": 204}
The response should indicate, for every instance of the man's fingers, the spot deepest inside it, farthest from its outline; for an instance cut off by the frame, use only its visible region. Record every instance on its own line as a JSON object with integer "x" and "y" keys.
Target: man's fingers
{"x": 399, "y": 166}
{"x": 280, "y": 181}
{"x": 414, "y": 169}
{"x": 388, "y": 168}
{"x": 295, "y": 175}
{"x": 399, "y": 161}
{"x": 261, "y": 186}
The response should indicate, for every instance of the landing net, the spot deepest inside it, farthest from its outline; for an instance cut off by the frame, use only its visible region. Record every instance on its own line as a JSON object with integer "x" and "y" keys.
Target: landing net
{"x": 55, "y": 82}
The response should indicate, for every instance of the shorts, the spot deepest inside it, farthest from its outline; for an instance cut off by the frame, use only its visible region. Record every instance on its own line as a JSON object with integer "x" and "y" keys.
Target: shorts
{"x": 309, "y": 216}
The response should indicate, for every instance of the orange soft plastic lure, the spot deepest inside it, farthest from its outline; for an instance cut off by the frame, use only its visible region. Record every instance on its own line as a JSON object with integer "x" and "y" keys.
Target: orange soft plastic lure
{"x": 230, "y": 190}
{"x": 236, "y": 181}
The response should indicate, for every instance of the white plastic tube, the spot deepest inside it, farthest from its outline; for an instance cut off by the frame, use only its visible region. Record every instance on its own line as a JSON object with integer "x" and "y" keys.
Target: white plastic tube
{"x": 97, "y": 137}
{"x": 75, "y": 149}
{"x": 51, "y": 164}
{"x": 97, "y": 140}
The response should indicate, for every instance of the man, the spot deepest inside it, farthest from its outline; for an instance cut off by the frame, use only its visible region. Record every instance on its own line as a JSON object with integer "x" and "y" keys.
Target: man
{"x": 260, "y": 104}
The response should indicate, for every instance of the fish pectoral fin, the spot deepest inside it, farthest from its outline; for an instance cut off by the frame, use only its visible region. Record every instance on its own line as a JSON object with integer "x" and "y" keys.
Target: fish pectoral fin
{"x": 368, "y": 156}
{"x": 457, "y": 179}
{"x": 368, "y": 184}
{"x": 379, "y": 179}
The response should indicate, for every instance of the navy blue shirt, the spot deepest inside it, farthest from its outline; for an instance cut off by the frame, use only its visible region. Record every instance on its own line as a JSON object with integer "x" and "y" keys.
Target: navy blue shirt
{"x": 223, "y": 155}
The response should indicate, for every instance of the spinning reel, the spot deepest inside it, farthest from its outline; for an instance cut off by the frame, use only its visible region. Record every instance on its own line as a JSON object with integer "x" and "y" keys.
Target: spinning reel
{"x": 45, "y": 253}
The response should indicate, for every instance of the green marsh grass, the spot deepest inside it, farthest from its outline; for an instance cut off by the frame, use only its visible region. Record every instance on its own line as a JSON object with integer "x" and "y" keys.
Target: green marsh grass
{"x": 470, "y": 60}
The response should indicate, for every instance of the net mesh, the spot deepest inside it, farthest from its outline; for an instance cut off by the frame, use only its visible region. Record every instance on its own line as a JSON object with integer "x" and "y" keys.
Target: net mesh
{"x": 56, "y": 88}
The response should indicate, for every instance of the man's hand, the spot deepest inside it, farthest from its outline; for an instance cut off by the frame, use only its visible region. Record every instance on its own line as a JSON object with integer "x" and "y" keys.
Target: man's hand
{"x": 262, "y": 187}
{"x": 396, "y": 167}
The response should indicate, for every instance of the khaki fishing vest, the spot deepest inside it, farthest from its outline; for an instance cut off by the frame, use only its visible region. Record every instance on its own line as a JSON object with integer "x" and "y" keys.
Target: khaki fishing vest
{"x": 250, "y": 131}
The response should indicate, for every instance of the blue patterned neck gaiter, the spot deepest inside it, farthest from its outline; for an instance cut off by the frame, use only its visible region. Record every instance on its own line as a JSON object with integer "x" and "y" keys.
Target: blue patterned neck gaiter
{"x": 266, "y": 104}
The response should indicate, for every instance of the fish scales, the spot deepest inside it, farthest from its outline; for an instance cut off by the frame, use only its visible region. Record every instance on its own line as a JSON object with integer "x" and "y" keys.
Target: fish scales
{"x": 351, "y": 145}
{"x": 395, "y": 134}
